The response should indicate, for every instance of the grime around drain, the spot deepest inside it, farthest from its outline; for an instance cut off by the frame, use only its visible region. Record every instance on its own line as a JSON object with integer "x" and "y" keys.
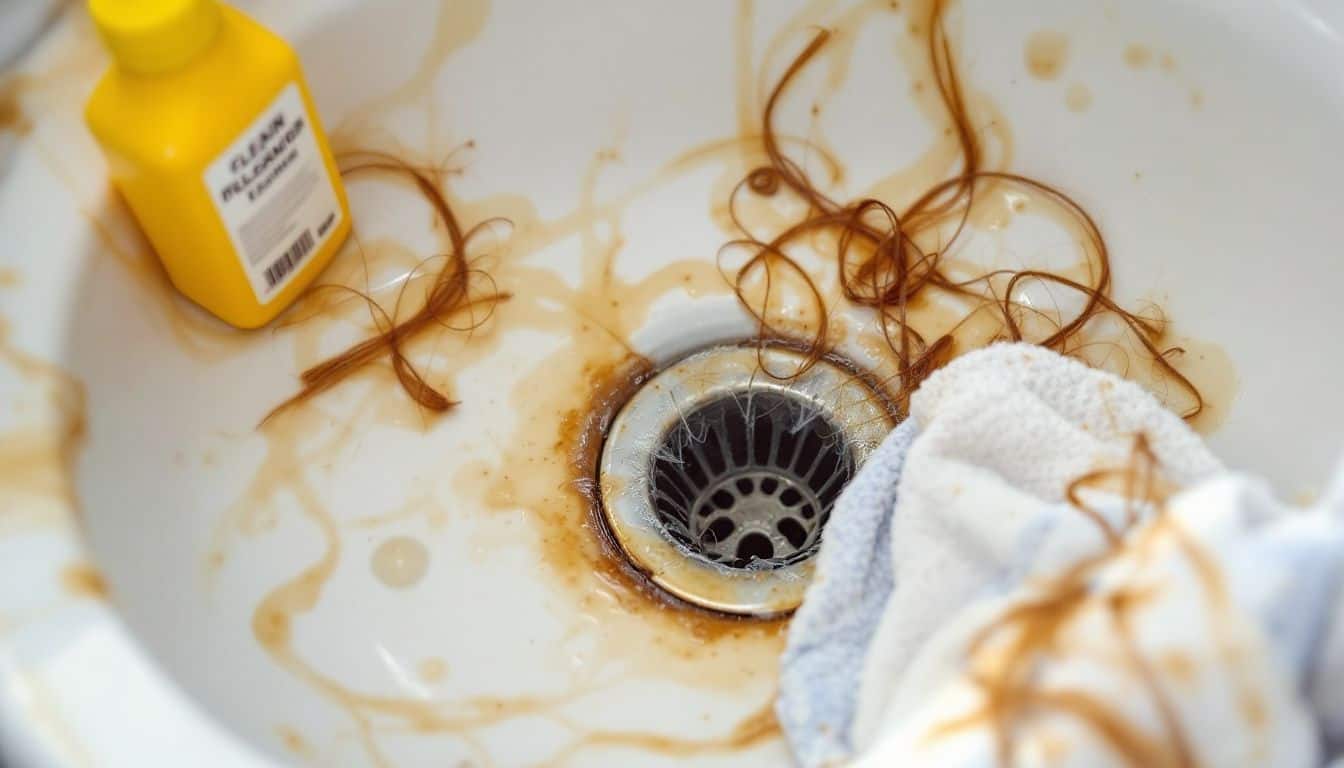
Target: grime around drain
{"x": 717, "y": 478}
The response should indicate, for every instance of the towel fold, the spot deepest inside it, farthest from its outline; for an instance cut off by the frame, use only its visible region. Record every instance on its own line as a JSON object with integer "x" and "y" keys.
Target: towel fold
{"x": 959, "y": 526}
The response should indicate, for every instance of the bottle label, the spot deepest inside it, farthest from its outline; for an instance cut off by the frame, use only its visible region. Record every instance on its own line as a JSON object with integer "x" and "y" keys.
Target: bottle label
{"x": 273, "y": 194}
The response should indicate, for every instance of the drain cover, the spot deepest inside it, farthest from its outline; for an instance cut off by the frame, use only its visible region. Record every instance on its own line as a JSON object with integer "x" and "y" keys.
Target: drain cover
{"x": 717, "y": 478}
{"x": 749, "y": 480}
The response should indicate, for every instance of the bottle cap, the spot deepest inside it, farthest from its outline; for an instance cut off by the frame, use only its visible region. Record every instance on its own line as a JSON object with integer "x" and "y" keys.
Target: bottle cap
{"x": 155, "y": 36}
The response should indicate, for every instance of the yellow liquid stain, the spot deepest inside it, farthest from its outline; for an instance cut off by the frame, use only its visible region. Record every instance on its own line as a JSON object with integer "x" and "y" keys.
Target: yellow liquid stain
{"x": 1078, "y": 97}
{"x": 294, "y": 742}
{"x": 1138, "y": 56}
{"x": 38, "y": 452}
{"x": 84, "y": 581}
{"x": 432, "y": 670}
{"x": 1045, "y": 54}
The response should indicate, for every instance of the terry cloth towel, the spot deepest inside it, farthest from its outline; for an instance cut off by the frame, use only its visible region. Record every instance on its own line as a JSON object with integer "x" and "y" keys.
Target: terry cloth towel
{"x": 961, "y": 517}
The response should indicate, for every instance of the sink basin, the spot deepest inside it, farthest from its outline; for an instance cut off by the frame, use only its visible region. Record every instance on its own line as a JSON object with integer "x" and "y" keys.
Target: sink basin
{"x": 360, "y": 581}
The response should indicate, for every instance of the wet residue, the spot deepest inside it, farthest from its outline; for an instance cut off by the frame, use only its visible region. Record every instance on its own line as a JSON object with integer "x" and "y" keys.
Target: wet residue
{"x": 84, "y": 581}
{"x": 400, "y": 562}
{"x": 294, "y": 742}
{"x": 751, "y": 731}
{"x": 12, "y": 117}
{"x": 1138, "y": 56}
{"x": 1078, "y": 97}
{"x": 433, "y": 670}
{"x": 1046, "y": 53}
{"x": 39, "y": 446}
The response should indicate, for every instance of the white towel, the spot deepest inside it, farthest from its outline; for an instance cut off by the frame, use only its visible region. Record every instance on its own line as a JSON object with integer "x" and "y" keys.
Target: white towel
{"x": 961, "y": 516}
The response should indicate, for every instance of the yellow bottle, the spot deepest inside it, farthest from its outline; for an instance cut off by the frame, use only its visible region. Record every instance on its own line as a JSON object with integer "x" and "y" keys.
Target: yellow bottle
{"x": 211, "y": 136}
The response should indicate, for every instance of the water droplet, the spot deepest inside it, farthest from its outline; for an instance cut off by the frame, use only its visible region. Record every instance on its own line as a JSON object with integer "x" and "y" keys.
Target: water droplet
{"x": 400, "y": 562}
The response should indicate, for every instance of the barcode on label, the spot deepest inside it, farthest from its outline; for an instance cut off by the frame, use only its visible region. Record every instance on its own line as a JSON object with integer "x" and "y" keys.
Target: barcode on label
{"x": 289, "y": 259}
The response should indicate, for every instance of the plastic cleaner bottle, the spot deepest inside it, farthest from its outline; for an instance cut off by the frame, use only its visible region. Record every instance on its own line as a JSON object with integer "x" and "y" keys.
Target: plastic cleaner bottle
{"x": 211, "y": 136}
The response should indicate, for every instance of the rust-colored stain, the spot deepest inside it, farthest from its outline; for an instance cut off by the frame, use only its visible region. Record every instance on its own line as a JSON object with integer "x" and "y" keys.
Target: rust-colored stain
{"x": 84, "y": 581}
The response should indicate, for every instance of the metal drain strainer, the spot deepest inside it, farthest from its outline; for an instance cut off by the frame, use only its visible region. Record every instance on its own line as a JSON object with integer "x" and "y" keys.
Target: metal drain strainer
{"x": 717, "y": 478}
{"x": 748, "y": 480}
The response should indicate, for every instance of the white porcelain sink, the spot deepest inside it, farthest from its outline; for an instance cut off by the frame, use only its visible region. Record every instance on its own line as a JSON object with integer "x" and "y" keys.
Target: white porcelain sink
{"x": 359, "y": 583}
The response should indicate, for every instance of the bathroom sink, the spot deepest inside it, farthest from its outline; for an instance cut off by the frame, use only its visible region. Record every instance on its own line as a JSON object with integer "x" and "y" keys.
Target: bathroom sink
{"x": 359, "y": 581}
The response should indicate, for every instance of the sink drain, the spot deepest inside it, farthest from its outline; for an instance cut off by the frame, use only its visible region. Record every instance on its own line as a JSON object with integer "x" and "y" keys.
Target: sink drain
{"x": 717, "y": 479}
{"x": 749, "y": 480}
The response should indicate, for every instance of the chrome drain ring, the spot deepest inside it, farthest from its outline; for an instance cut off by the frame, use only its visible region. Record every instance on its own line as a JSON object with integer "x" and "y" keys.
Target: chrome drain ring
{"x": 717, "y": 479}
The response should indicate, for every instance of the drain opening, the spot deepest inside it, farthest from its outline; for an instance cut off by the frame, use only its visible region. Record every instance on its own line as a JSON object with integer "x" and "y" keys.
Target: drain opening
{"x": 748, "y": 480}
{"x": 716, "y": 478}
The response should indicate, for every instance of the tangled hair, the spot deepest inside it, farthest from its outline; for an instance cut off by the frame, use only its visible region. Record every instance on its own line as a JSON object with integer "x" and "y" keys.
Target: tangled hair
{"x": 451, "y": 294}
{"x": 882, "y": 266}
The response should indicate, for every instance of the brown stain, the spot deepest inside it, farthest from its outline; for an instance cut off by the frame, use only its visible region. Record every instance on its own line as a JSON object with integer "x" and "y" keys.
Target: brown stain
{"x": 12, "y": 117}
{"x": 432, "y": 670}
{"x": 82, "y": 580}
{"x": 1253, "y": 709}
{"x": 294, "y": 742}
{"x": 1307, "y": 498}
{"x": 745, "y": 73}
{"x": 1078, "y": 97}
{"x": 1212, "y": 369}
{"x": 1045, "y": 54}
{"x": 1207, "y": 365}
{"x": 37, "y": 453}
{"x": 1178, "y": 667}
{"x": 615, "y": 388}
{"x": 1196, "y": 98}
{"x": 419, "y": 504}
{"x": 1126, "y": 741}
{"x": 1138, "y": 56}
{"x": 758, "y": 728}
{"x": 459, "y": 23}
{"x": 1054, "y": 749}
{"x": 9, "y": 277}
{"x": 1167, "y": 63}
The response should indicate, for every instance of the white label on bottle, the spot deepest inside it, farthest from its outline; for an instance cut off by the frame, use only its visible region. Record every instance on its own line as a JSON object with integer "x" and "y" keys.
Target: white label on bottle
{"x": 272, "y": 191}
